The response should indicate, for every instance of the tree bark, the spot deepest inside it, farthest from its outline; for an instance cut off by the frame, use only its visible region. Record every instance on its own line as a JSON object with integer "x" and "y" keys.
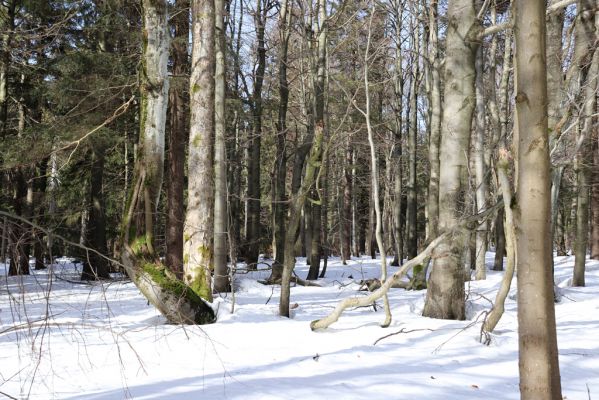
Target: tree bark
{"x": 179, "y": 113}
{"x": 480, "y": 168}
{"x": 538, "y": 357}
{"x": 221, "y": 273}
{"x": 435, "y": 124}
{"x": 253, "y": 234}
{"x": 445, "y": 295}
{"x": 412, "y": 206}
{"x": 176, "y": 301}
{"x": 279, "y": 192}
{"x": 198, "y": 234}
{"x": 587, "y": 23}
{"x": 95, "y": 266}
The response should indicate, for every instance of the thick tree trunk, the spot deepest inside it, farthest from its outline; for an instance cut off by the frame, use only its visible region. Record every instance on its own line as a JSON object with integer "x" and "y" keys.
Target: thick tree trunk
{"x": 445, "y": 296}
{"x": 538, "y": 358}
{"x": 179, "y": 111}
{"x": 221, "y": 273}
{"x": 198, "y": 235}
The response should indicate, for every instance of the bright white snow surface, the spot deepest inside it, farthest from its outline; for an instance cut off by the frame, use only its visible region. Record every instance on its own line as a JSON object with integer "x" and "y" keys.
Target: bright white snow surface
{"x": 60, "y": 339}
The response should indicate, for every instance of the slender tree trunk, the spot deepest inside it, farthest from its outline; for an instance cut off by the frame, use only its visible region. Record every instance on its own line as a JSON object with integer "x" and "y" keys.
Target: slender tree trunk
{"x": 279, "y": 192}
{"x": 221, "y": 273}
{"x": 412, "y": 208}
{"x": 5, "y": 234}
{"x": 510, "y": 234}
{"x": 177, "y": 136}
{"x": 198, "y": 235}
{"x": 500, "y": 242}
{"x": 345, "y": 217}
{"x": 445, "y": 295}
{"x": 253, "y": 234}
{"x": 538, "y": 357}
{"x": 594, "y": 235}
{"x": 435, "y": 124}
{"x": 480, "y": 168}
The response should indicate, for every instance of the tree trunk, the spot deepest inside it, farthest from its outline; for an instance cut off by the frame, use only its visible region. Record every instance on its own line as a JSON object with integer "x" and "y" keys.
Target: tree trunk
{"x": 594, "y": 235}
{"x": 253, "y": 234}
{"x": 179, "y": 111}
{"x": 445, "y": 295}
{"x": 435, "y": 124}
{"x": 412, "y": 208}
{"x": 221, "y": 273}
{"x": 480, "y": 169}
{"x": 345, "y": 213}
{"x": 279, "y": 192}
{"x": 499, "y": 240}
{"x": 95, "y": 266}
{"x": 538, "y": 357}
{"x": 198, "y": 235}
{"x": 510, "y": 235}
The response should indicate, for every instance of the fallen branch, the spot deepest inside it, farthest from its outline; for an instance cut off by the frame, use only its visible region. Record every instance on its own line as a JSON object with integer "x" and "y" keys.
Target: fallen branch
{"x": 325, "y": 322}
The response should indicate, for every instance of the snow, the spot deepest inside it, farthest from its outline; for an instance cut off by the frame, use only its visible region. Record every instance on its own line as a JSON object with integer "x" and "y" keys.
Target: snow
{"x": 61, "y": 339}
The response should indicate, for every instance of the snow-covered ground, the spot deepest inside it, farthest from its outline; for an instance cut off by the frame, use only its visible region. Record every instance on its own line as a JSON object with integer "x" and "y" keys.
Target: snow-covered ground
{"x": 60, "y": 339}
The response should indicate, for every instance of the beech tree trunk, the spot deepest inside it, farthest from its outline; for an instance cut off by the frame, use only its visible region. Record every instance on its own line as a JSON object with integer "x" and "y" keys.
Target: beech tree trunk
{"x": 445, "y": 295}
{"x": 221, "y": 273}
{"x": 538, "y": 357}
{"x": 412, "y": 206}
{"x": 435, "y": 123}
{"x": 198, "y": 235}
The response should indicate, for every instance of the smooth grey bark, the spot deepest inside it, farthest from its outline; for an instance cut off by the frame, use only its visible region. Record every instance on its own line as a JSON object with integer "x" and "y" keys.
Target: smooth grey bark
{"x": 221, "y": 272}
{"x": 538, "y": 357}
{"x": 445, "y": 295}
{"x": 586, "y": 26}
{"x": 198, "y": 234}
{"x": 435, "y": 121}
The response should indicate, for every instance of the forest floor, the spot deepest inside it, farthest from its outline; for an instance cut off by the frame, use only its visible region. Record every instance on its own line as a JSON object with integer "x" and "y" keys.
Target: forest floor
{"x": 61, "y": 339}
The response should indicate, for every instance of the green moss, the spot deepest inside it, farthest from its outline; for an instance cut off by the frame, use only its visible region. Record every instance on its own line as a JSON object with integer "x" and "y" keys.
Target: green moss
{"x": 200, "y": 286}
{"x": 167, "y": 282}
{"x": 196, "y": 141}
{"x": 195, "y": 88}
{"x": 139, "y": 244}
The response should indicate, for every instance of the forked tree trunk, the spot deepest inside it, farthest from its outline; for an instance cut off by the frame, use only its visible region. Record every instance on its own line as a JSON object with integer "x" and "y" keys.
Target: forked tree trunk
{"x": 538, "y": 358}
{"x": 176, "y": 301}
{"x": 445, "y": 295}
